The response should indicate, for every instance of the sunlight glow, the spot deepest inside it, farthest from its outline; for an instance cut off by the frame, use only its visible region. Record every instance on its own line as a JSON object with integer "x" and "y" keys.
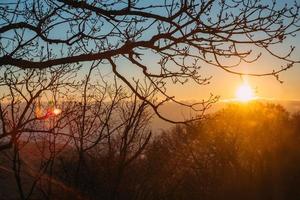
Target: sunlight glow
{"x": 56, "y": 111}
{"x": 244, "y": 93}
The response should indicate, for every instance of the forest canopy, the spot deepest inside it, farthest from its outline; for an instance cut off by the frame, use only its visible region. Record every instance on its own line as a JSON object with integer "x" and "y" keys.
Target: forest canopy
{"x": 81, "y": 82}
{"x": 148, "y": 43}
{"x": 243, "y": 151}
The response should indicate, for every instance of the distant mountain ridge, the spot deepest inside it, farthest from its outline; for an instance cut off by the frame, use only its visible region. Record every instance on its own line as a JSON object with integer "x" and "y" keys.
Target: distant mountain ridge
{"x": 177, "y": 112}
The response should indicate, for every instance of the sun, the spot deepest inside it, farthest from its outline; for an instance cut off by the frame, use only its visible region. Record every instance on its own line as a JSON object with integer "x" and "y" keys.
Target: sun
{"x": 244, "y": 93}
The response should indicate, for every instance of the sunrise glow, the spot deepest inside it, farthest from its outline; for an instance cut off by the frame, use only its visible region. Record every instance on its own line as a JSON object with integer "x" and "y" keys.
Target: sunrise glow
{"x": 244, "y": 93}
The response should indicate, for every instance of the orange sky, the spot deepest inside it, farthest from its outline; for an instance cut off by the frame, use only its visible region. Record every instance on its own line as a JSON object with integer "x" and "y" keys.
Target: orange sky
{"x": 225, "y": 84}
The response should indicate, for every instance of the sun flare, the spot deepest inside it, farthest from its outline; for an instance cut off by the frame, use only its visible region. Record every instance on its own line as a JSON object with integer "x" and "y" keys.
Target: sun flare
{"x": 56, "y": 111}
{"x": 244, "y": 93}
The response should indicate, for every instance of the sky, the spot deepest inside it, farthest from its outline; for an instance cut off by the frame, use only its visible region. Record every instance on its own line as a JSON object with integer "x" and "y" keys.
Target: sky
{"x": 225, "y": 84}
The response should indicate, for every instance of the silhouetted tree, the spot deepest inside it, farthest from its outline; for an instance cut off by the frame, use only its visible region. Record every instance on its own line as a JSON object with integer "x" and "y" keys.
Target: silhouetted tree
{"x": 48, "y": 113}
{"x": 245, "y": 151}
{"x": 180, "y": 35}
{"x": 28, "y": 121}
{"x": 28, "y": 100}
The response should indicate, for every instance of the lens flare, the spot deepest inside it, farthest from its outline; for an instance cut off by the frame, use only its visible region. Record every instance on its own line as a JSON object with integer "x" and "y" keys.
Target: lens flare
{"x": 56, "y": 111}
